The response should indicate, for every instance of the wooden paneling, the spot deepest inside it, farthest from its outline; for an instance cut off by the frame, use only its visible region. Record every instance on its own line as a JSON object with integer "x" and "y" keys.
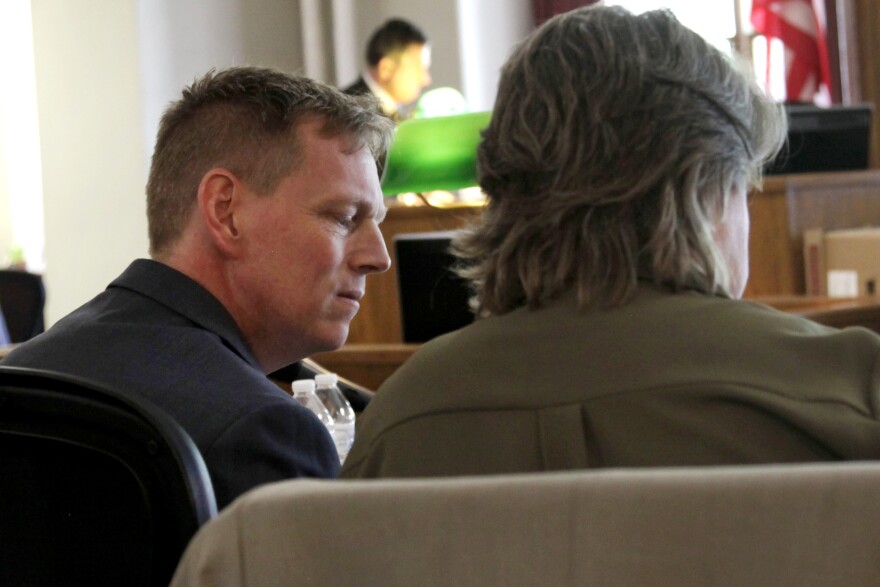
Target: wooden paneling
{"x": 867, "y": 27}
{"x": 366, "y": 364}
{"x": 791, "y": 204}
{"x": 771, "y": 269}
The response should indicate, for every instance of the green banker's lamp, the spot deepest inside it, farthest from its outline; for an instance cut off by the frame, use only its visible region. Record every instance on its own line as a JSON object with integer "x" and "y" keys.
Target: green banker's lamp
{"x": 429, "y": 154}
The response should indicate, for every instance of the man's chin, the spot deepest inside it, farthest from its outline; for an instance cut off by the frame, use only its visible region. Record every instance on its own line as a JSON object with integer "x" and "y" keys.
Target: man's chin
{"x": 332, "y": 340}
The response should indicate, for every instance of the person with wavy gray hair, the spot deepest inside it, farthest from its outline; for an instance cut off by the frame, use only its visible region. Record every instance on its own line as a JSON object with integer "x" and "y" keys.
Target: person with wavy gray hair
{"x": 607, "y": 269}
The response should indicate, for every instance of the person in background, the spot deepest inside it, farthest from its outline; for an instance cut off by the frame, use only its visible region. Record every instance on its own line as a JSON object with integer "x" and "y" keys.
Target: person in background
{"x": 263, "y": 206}
{"x": 398, "y": 68}
{"x": 607, "y": 269}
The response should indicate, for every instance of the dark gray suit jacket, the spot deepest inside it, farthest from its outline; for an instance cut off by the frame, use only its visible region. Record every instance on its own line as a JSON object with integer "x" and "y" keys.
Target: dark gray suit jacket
{"x": 158, "y": 334}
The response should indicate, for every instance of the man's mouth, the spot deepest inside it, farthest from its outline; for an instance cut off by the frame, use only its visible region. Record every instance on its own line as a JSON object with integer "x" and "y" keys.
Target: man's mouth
{"x": 354, "y": 295}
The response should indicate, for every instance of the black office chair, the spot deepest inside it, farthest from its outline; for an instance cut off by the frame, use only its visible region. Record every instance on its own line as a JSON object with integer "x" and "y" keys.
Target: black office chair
{"x": 95, "y": 488}
{"x": 22, "y": 298}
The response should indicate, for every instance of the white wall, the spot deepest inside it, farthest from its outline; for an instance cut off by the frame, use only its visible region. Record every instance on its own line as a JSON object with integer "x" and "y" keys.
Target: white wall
{"x": 180, "y": 40}
{"x": 105, "y": 70}
{"x": 92, "y": 156}
{"x": 6, "y": 238}
{"x": 489, "y": 30}
{"x": 21, "y": 203}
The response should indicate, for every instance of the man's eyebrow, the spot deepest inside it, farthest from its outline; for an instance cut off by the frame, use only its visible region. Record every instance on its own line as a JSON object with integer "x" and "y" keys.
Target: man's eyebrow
{"x": 381, "y": 213}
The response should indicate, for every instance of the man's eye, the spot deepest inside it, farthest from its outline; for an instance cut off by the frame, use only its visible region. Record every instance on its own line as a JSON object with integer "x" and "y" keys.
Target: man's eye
{"x": 345, "y": 221}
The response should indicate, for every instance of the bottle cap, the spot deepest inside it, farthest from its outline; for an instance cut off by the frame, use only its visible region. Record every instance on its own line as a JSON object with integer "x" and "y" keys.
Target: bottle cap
{"x": 326, "y": 378}
{"x": 302, "y": 386}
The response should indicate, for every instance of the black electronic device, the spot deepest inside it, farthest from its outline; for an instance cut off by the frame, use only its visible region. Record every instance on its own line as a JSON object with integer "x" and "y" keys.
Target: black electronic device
{"x": 433, "y": 299}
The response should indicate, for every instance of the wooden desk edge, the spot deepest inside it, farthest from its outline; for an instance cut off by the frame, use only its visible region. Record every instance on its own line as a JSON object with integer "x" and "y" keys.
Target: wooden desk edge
{"x": 370, "y": 353}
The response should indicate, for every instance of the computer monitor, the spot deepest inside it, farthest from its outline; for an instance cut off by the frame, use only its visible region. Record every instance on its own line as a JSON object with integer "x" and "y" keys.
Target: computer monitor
{"x": 824, "y": 139}
{"x": 433, "y": 299}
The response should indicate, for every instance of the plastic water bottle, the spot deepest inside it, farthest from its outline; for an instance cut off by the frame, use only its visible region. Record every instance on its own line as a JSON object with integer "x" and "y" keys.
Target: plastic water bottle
{"x": 304, "y": 393}
{"x": 340, "y": 410}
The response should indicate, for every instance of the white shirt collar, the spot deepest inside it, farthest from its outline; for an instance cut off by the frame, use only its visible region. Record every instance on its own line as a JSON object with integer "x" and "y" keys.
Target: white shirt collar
{"x": 388, "y": 104}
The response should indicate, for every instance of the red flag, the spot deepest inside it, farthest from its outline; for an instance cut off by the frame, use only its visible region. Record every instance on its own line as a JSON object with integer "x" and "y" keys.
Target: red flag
{"x": 796, "y": 25}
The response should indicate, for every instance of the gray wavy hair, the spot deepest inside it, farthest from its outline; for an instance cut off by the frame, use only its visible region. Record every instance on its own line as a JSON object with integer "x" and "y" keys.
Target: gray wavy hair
{"x": 613, "y": 148}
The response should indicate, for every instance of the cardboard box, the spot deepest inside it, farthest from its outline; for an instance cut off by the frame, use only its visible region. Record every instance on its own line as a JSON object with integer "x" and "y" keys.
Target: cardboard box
{"x": 852, "y": 262}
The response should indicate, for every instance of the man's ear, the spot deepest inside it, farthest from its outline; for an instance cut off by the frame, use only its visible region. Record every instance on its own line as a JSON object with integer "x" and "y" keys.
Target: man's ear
{"x": 385, "y": 68}
{"x": 219, "y": 198}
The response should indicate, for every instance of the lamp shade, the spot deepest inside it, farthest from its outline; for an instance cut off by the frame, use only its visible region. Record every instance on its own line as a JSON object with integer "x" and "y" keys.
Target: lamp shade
{"x": 430, "y": 154}
{"x": 443, "y": 101}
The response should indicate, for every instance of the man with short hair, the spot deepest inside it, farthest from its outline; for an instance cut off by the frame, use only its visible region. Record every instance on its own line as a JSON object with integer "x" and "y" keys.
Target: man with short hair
{"x": 263, "y": 205}
{"x": 398, "y": 67}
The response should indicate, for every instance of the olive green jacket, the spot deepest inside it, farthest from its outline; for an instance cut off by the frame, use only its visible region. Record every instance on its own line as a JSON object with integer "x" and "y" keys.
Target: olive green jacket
{"x": 667, "y": 379}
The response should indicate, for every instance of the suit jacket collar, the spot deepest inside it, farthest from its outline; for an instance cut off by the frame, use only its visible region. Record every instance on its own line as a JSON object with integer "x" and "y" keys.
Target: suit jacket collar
{"x": 180, "y": 293}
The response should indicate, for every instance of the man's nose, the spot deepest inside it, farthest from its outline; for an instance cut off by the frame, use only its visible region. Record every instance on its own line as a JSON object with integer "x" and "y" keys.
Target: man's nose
{"x": 373, "y": 255}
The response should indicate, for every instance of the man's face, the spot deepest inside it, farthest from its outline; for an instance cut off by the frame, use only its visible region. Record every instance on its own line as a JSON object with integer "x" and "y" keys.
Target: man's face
{"x": 310, "y": 245}
{"x": 409, "y": 74}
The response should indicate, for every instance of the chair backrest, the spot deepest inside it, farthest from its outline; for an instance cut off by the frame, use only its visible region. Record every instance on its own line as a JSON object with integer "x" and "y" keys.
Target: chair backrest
{"x": 754, "y": 525}
{"x": 95, "y": 488}
{"x": 22, "y": 298}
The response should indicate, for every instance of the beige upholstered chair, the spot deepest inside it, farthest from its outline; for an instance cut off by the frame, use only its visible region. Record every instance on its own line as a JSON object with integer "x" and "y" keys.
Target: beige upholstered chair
{"x": 799, "y": 525}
